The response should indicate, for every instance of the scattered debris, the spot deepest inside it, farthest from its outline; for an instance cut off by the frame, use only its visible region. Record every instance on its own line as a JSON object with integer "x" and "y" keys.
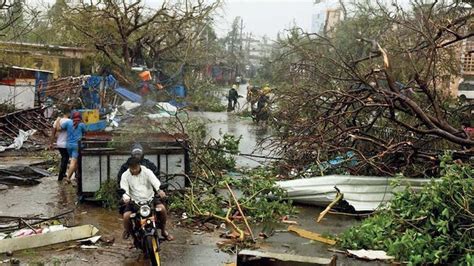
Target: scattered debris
{"x": 254, "y": 258}
{"x": 24, "y": 172}
{"x": 310, "y": 235}
{"x": 23, "y": 121}
{"x": 53, "y": 237}
{"x": 286, "y": 221}
{"x": 363, "y": 193}
{"x": 21, "y": 175}
{"x": 370, "y": 254}
{"x": 339, "y": 196}
{"x": 211, "y": 226}
{"x": 89, "y": 247}
{"x": 19, "y": 181}
{"x": 240, "y": 211}
{"x": 18, "y": 141}
{"x": 90, "y": 240}
{"x": 13, "y": 223}
{"x": 109, "y": 240}
{"x": 414, "y": 227}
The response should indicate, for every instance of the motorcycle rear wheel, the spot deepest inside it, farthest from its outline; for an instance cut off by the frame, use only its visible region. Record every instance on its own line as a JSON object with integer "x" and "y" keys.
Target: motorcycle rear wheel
{"x": 152, "y": 250}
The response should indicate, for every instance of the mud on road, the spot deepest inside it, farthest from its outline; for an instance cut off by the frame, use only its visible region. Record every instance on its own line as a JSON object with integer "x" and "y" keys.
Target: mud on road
{"x": 52, "y": 197}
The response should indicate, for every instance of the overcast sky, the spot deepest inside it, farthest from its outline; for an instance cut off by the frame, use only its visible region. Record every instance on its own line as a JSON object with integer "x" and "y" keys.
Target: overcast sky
{"x": 265, "y": 17}
{"x": 261, "y": 17}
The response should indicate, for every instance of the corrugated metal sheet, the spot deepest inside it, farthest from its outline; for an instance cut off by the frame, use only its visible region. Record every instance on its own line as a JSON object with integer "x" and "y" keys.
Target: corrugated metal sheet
{"x": 364, "y": 193}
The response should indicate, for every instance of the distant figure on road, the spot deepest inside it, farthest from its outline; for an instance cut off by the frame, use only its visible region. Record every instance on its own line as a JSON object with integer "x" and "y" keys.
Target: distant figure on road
{"x": 249, "y": 92}
{"x": 232, "y": 98}
{"x": 261, "y": 113}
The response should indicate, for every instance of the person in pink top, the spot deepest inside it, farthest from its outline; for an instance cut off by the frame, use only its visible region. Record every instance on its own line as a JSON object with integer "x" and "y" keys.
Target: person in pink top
{"x": 59, "y": 137}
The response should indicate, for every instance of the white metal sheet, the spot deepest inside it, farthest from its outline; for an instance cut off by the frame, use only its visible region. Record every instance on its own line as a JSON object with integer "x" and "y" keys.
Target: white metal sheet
{"x": 22, "y": 97}
{"x": 90, "y": 173}
{"x": 116, "y": 162}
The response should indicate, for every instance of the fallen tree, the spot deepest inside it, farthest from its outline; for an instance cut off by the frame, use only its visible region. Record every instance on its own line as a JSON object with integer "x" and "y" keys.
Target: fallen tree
{"x": 377, "y": 86}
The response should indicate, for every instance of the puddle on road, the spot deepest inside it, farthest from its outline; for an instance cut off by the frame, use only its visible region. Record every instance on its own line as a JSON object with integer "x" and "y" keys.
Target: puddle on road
{"x": 252, "y": 135}
{"x": 51, "y": 197}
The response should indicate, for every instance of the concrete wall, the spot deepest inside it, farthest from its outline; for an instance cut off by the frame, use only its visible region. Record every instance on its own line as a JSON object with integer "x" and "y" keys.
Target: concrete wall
{"x": 63, "y": 61}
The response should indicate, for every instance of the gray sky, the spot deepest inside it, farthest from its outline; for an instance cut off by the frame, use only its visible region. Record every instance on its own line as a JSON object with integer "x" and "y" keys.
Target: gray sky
{"x": 265, "y": 17}
{"x": 261, "y": 17}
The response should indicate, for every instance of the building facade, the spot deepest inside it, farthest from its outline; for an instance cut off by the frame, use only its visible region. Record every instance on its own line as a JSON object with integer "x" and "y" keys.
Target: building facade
{"x": 63, "y": 61}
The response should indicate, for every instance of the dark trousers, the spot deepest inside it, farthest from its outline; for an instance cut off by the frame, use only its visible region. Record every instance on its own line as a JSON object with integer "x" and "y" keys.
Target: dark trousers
{"x": 63, "y": 164}
{"x": 231, "y": 105}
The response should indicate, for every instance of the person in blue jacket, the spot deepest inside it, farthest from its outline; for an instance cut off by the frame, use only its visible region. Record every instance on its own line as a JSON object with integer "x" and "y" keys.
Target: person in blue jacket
{"x": 75, "y": 129}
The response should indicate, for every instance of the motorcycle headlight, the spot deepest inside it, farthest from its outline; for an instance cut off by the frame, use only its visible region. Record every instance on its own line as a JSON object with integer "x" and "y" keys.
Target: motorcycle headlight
{"x": 145, "y": 211}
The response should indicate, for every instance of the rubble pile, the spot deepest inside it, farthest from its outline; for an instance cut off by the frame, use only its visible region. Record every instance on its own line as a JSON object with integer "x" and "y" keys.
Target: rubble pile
{"x": 12, "y": 124}
{"x": 64, "y": 89}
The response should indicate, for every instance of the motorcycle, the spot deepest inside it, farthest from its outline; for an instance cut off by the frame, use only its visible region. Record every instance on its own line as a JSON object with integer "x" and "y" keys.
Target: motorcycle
{"x": 145, "y": 230}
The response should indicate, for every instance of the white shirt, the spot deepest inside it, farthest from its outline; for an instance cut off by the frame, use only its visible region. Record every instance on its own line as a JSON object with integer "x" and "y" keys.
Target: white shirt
{"x": 62, "y": 135}
{"x": 139, "y": 187}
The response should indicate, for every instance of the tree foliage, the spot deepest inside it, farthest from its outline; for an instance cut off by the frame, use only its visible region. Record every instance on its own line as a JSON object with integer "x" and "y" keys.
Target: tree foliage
{"x": 130, "y": 33}
{"x": 433, "y": 226}
{"x": 378, "y": 85}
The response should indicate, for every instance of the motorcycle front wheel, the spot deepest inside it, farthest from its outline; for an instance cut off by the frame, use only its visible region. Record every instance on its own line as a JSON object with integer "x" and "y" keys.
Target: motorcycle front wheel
{"x": 152, "y": 250}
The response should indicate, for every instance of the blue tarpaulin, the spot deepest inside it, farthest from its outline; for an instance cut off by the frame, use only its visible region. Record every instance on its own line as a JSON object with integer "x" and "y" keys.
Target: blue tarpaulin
{"x": 99, "y": 126}
{"x": 90, "y": 98}
{"x": 91, "y": 89}
{"x": 177, "y": 91}
{"x": 128, "y": 95}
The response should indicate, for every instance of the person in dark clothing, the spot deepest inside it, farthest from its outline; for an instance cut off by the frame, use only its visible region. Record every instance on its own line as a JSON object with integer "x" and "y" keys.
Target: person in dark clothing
{"x": 261, "y": 113}
{"x": 137, "y": 152}
{"x": 61, "y": 138}
{"x": 232, "y": 98}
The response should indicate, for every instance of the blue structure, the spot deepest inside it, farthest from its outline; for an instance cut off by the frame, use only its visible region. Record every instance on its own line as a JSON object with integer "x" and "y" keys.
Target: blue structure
{"x": 177, "y": 91}
{"x": 128, "y": 95}
{"x": 92, "y": 88}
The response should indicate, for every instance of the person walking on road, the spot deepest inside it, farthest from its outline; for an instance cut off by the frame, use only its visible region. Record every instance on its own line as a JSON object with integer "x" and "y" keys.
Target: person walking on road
{"x": 232, "y": 98}
{"x": 75, "y": 129}
{"x": 60, "y": 136}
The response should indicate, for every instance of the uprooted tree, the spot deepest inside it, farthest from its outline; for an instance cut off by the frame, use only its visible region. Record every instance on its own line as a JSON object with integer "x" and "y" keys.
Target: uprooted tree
{"x": 378, "y": 85}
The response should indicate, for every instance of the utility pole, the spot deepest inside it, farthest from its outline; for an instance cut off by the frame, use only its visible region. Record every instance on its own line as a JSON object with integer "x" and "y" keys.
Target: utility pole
{"x": 241, "y": 43}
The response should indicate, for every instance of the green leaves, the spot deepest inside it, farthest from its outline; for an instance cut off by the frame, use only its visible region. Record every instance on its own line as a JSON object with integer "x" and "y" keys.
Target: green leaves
{"x": 259, "y": 197}
{"x": 108, "y": 194}
{"x": 433, "y": 226}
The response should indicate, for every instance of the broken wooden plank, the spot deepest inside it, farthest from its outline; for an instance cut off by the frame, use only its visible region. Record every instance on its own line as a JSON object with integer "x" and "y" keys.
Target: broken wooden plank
{"x": 257, "y": 258}
{"x": 310, "y": 235}
{"x": 339, "y": 196}
{"x": 34, "y": 241}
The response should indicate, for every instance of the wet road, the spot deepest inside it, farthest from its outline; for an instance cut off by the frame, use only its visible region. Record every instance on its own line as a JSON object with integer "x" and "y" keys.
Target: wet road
{"x": 51, "y": 197}
{"x": 231, "y": 123}
{"x": 189, "y": 248}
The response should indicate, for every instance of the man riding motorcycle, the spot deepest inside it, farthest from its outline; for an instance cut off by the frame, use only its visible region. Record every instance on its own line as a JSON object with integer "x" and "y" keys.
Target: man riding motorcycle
{"x": 140, "y": 184}
{"x": 137, "y": 151}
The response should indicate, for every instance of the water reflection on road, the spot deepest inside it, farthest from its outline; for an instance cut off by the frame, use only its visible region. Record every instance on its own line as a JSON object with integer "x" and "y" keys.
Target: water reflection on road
{"x": 219, "y": 123}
